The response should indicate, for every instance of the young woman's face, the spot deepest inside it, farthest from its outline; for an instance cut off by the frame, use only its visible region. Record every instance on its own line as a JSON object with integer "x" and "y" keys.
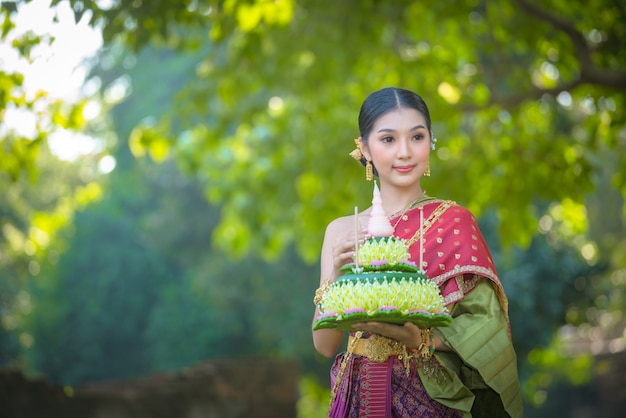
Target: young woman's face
{"x": 399, "y": 146}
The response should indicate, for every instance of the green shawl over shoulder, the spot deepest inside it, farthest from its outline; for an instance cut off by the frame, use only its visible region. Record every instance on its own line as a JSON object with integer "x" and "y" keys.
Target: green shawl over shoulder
{"x": 482, "y": 357}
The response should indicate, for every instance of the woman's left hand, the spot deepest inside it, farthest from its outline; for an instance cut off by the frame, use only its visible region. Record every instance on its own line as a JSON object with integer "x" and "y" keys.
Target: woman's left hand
{"x": 409, "y": 334}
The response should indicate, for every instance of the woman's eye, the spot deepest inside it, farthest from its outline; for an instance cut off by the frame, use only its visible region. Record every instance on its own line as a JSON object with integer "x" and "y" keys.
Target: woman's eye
{"x": 418, "y": 137}
{"x": 387, "y": 139}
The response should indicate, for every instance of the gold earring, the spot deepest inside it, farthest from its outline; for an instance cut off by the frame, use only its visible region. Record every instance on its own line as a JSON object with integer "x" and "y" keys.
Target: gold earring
{"x": 369, "y": 171}
{"x": 427, "y": 171}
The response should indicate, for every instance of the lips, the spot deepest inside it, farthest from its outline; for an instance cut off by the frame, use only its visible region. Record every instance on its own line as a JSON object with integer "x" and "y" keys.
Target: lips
{"x": 404, "y": 168}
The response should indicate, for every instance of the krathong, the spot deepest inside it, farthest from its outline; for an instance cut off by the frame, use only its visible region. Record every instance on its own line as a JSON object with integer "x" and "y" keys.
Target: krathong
{"x": 382, "y": 284}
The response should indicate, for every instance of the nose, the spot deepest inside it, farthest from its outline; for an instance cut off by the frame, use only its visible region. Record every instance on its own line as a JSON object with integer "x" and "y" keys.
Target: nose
{"x": 404, "y": 148}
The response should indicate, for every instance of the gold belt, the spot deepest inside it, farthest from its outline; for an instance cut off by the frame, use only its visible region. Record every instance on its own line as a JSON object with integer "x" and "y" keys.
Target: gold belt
{"x": 377, "y": 348}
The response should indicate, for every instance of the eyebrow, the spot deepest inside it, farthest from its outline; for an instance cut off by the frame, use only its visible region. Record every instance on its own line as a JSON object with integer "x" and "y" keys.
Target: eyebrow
{"x": 415, "y": 128}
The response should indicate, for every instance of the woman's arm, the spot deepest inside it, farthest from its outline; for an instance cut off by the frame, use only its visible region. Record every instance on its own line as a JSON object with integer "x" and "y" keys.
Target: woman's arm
{"x": 337, "y": 251}
{"x": 408, "y": 334}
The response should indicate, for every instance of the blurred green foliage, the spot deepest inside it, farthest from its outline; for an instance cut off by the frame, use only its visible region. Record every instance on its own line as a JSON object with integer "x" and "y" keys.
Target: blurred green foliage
{"x": 526, "y": 112}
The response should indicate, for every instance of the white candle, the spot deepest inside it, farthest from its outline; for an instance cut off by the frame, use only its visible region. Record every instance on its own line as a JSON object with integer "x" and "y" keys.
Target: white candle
{"x": 421, "y": 238}
{"x": 356, "y": 236}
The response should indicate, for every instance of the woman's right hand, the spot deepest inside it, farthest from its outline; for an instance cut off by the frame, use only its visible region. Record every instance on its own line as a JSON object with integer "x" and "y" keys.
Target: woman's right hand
{"x": 344, "y": 248}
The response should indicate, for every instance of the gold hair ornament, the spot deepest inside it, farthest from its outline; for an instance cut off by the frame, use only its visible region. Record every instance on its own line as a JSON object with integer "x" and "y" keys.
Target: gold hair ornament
{"x": 356, "y": 153}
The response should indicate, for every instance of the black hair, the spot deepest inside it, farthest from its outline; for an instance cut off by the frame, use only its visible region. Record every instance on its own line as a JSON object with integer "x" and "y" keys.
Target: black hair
{"x": 384, "y": 101}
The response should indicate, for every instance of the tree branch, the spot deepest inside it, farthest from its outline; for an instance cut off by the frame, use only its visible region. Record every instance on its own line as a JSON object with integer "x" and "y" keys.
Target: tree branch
{"x": 589, "y": 72}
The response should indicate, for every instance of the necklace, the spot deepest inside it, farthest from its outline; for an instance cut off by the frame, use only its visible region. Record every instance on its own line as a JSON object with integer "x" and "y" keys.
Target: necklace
{"x": 401, "y": 214}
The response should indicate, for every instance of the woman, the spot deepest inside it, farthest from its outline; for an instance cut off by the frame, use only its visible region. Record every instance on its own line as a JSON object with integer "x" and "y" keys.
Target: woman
{"x": 473, "y": 370}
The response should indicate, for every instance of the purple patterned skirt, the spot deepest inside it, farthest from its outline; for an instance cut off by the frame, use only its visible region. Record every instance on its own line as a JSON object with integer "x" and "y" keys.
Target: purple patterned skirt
{"x": 368, "y": 389}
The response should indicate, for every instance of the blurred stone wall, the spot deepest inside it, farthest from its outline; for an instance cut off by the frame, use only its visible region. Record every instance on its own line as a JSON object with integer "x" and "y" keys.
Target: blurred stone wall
{"x": 257, "y": 389}
{"x": 610, "y": 385}
{"x": 221, "y": 389}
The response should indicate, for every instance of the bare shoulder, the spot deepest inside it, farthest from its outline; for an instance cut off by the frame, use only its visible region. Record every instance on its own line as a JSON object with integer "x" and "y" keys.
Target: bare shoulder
{"x": 340, "y": 226}
{"x": 346, "y": 224}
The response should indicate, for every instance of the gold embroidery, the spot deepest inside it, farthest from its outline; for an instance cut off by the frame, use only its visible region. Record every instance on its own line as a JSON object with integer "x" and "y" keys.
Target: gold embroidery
{"x": 436, "y": 215}
{"x": 466, "y": 285}
{"x": 379, "y": 348}
{"x": 481, "y": 270}
{"x": 442, "y": 266}
{"x": 452, "y": 297}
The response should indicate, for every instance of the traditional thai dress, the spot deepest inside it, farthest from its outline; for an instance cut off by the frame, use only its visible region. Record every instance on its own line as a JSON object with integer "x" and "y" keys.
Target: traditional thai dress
{"x": 478, "y": 377}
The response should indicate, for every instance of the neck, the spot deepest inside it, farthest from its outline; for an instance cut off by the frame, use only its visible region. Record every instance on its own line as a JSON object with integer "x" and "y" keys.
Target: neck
{"x": 395, "y": 200}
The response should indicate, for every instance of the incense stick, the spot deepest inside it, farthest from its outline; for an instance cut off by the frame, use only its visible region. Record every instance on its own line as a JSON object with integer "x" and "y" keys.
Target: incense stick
{"x": 356, "y": 236}
{"x": 422, "y": 238}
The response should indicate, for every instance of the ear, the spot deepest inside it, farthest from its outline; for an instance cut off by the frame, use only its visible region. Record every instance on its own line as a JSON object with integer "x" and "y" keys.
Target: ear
{"x": 364, "y": 149}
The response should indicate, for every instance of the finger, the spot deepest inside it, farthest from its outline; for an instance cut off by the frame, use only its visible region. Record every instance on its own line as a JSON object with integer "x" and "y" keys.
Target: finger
{"x": 411, "y": 326}
{"x": 343, "y": 250}
{"x": 345, "y": 257}
{"x": 366, "y": 326}
{"x": 415, "y": 335}
{"x": 349, "y": 241}
{"x": 381, "y": 328}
